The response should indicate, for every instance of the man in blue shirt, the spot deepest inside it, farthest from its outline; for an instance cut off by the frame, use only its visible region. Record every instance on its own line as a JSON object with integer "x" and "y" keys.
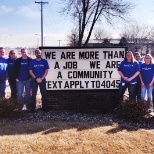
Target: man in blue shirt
{"x": 21, "y": 74}
{"x": 3, "y": 72}
{"x": 38, "y": 69}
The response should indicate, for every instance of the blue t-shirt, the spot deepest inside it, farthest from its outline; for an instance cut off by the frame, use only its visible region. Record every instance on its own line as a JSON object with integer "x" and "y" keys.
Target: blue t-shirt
{"x": 147, "y": 72}
{"x": 24, "y": 72}
{"x": 38, "y": 67}
{"x": 3, "y": 69}
{"x": 10, "y": 67}
{"x": 128, "y": 69}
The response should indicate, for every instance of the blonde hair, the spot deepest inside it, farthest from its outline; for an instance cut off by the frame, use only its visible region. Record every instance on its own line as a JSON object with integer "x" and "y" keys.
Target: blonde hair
{"x": 133, "y": 59}
{"x": 151, "y": 58}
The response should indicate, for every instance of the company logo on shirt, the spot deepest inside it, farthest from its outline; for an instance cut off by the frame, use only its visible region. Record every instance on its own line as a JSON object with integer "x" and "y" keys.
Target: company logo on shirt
{"x": 39, "y": 65}
{"x": 24, "y": 63}
{"x": 128, "y": 65}
{"x": 146, "y": 68}
{"x": 3, "y": 66}
{"x": 11, "y": 63}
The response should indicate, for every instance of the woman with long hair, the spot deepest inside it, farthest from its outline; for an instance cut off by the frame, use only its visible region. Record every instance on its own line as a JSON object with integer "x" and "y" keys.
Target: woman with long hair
{"x": 129, "y": 69}
{"x": 147, "y": 78}
{"x": 11, "y": 79}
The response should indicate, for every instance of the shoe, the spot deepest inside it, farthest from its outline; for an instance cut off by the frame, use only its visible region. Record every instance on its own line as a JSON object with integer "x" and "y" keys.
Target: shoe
{"x": 151, "y": 113}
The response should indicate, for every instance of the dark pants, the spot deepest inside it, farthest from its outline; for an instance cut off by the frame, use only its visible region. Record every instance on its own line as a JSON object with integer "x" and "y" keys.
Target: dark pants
{"x": 138, "y": 90}
{"x": 12, "y": 83}
{"x": 42, "y": 87}
{"x": 131, "y": 90}
{"x": 2, "y": 89}
{"x": 153, "y": 96}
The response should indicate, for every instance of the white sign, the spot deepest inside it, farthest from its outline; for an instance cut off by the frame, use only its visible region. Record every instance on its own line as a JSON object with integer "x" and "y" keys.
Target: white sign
{"x": 83, "y": 68}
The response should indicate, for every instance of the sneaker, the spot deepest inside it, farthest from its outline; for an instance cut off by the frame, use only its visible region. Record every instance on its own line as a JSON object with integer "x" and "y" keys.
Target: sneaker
{"x": 151, "y": 113}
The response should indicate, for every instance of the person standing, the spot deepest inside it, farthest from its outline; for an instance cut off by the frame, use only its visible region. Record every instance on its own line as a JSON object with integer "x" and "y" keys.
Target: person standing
{"x": 21, "y": 74}
{"x": 38, "y": 70}
{"x": 147, "y": 78}
{"x": 11, "y": 79}
{"x": 129, "y": 69}
{"x": 138, "y": 85}
{"x": 3, "y": 73}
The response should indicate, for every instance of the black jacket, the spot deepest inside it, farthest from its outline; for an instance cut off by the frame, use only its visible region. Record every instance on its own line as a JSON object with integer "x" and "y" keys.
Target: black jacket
{"x": 17, "y": 65}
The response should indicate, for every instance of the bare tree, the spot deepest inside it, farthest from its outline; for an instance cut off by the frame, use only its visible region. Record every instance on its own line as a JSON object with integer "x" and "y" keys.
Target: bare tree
{"x": 73, "y": 38}
{"x": 100, "y": 34}
{"x": 138, "y": 35}
{"x": 86, "y": 13}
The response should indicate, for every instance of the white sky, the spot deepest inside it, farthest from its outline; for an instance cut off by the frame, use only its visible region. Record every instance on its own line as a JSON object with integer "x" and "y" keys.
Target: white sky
{"x": 20, "y": 22}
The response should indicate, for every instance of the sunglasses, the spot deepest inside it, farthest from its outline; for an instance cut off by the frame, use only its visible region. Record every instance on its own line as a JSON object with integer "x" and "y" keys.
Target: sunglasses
{"x": 12, "y": 53}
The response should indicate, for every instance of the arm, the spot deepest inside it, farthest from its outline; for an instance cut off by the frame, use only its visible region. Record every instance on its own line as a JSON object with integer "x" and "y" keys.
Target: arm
{"x": 151, "y": 83}
{"x": 7, "y": 75}
{"x": 134, "y": 76}
{"x": 31, "y": 73}
{"x": 121, "y": 74}
{"x": 39, "y": 80}
{"x": 142, "y": 83}
{"x": 16, "y": 68}
{"x": 45, "y": 74}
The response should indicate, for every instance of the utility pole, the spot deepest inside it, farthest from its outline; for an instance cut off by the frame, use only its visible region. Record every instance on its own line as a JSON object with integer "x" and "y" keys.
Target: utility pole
{"x": 59, "y": 42}
{"x": 41, "y": 3}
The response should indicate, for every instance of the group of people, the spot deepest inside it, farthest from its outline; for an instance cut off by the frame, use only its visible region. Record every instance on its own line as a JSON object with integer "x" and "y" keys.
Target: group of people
{"x": 138, "y": 77}
{"x": 24, "y": 76}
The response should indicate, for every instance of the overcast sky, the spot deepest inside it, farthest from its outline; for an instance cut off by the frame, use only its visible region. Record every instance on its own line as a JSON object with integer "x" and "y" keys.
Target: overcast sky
{"x": 20, "y": 22}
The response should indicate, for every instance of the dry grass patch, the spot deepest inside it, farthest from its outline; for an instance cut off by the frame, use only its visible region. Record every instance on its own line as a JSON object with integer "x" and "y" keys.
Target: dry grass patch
{"x": 74, "y": 138}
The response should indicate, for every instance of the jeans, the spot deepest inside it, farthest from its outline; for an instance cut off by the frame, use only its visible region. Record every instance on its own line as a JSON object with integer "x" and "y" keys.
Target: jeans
{"x": 42, "y": 87}
{"x": 12, "y": 83}
{"x": 20, "y": 91}
{"x": 2, "y": 89}
{"x": 131, "y": 90}
{"x": 149, "y": 93}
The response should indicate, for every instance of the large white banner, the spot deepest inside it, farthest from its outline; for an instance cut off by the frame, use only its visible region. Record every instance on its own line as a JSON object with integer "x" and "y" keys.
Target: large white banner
{"x": 83, "y": 68}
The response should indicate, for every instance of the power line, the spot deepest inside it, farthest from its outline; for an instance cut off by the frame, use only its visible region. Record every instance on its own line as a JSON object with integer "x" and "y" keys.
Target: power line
{"x": 52, "y": 19}
{"x": 41, "y": 3}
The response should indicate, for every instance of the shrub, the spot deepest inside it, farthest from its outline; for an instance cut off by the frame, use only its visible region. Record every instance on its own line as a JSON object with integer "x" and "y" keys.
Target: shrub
{"x": 106, "y": 102}
{"x": 132, "y": 110}
{"x": 9, "y": 108}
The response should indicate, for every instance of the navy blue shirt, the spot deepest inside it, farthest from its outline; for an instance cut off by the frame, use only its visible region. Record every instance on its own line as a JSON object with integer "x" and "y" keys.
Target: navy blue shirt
{"x": 10, "y": 67}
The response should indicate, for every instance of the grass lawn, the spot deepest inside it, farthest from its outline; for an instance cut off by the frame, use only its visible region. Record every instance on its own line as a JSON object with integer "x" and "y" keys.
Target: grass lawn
{"x": 60, "y": 137}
